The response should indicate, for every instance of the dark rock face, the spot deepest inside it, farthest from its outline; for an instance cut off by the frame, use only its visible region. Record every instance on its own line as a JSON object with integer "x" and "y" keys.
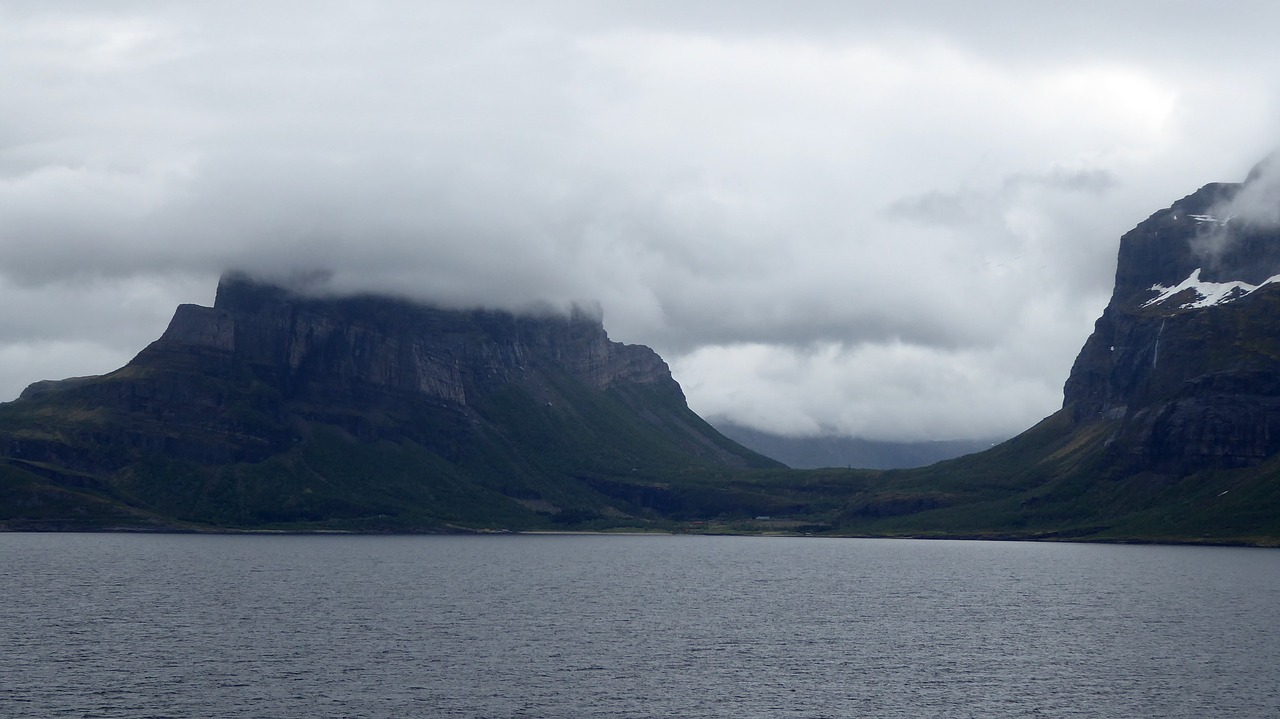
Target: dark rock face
{"x": 1190, "y": 376}
{"x": 334, "y": 346}
{"x": 278, "y": 406}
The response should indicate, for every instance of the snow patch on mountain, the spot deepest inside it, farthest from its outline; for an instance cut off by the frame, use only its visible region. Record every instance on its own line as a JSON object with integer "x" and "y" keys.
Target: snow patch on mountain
{"x": 1210, "y": 219}
{"x": 1207, "y": 294}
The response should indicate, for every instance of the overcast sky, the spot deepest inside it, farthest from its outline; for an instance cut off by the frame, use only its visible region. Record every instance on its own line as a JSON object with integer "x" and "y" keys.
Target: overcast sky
{"x": 893, "y": 220}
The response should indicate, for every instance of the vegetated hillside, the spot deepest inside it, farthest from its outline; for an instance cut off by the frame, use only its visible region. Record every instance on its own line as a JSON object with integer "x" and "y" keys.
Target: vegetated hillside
{"x": 273, "y": 409}
{"x": 1170, "y": 427}
{"x": 277, "y": 409}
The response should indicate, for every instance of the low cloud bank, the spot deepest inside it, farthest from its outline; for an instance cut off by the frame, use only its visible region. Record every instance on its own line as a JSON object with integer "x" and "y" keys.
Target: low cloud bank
{"x": 892, "y": 224}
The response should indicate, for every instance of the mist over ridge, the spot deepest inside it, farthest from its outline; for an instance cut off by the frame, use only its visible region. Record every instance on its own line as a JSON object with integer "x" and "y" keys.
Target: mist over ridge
{"x": 770, "y": 197}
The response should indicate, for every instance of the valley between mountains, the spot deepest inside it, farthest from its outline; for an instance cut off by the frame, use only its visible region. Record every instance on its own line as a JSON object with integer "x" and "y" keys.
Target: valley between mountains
{"x": 280, "y": 410}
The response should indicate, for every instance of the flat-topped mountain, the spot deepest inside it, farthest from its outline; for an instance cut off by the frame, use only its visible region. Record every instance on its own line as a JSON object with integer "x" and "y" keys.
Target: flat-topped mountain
{"x": 275, "y": 406}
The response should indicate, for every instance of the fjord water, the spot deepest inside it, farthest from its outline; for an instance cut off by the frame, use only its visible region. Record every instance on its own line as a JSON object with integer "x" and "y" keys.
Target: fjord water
{"x": 618, "y": 626}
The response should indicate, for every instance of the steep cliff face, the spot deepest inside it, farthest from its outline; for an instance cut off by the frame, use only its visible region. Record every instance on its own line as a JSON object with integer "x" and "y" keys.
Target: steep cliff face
{"x": 325, "y": 347}
{"x": 1170, "y": 426}
{"x": 1185, "y": 360}
{"x": 335, "y": 399}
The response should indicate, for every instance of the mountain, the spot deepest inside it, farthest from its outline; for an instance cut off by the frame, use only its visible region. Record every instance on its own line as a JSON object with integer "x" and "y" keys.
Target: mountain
{"x": 277, "y": 409}
{"x": 274, "y": 408}
{"x": 1170, "y": 426}
{"x": 1184, "y": 358}
{"x": 834, "y": 451}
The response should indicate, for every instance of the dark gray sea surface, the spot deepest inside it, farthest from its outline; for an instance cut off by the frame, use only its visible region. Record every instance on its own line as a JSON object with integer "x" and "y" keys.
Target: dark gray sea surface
{"x": 615, "y": 626}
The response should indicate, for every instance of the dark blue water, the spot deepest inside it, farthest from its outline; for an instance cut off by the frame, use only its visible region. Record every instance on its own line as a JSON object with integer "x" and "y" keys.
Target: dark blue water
{"x": 589, "y": 626}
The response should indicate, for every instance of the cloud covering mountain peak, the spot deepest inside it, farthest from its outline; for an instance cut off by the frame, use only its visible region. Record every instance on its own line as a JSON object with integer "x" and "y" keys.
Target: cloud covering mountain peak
{"x": 742, "y": 187}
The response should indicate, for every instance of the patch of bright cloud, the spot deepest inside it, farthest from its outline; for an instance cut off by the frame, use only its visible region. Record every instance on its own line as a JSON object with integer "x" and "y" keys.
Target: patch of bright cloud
{"x": 887, "y": 391}
{"x": 844, "y": 189}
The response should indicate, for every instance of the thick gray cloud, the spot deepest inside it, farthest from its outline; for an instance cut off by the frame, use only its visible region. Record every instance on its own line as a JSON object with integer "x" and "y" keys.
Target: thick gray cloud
{"x": 892, "y": 220}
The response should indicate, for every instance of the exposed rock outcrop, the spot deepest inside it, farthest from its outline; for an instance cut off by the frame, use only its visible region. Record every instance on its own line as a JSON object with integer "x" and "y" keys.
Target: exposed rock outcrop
{"x": 324, "y": 345}
{"x": 1185, "y": 359}
{"x": 451, "y": 413}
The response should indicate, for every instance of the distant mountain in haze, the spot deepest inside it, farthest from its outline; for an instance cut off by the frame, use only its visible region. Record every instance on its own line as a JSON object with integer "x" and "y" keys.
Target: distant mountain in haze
{"x": 832, "y": 451}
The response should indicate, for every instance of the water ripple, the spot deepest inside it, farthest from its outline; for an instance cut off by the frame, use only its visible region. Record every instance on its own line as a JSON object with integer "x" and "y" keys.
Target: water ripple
{"x": 631, "y": 628}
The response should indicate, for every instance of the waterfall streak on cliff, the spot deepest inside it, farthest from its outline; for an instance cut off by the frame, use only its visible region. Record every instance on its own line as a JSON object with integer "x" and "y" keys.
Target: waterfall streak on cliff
{"x": 1155, "y": 353}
